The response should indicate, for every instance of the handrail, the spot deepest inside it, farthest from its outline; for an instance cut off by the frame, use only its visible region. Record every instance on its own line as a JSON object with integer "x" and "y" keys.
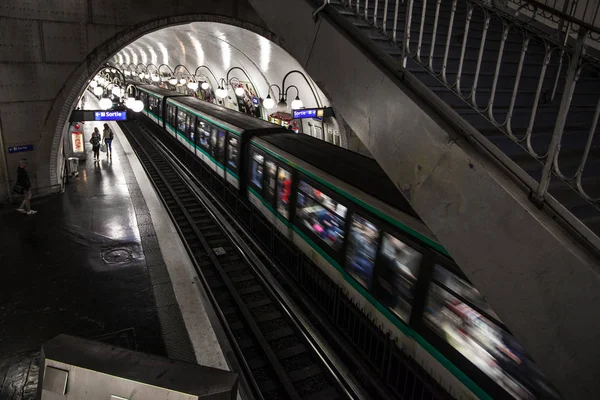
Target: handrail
{"x": 525, "y": 83}
{"x": 562, "y": 15}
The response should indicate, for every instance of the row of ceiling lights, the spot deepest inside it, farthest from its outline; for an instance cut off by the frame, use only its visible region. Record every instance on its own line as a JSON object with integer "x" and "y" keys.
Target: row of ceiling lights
{"x": 221, "y": 92}
{"x": 103, "y": 85}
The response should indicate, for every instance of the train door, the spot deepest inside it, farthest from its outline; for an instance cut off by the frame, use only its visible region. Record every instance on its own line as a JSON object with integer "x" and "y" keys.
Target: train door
{"x": 232, "y": 143}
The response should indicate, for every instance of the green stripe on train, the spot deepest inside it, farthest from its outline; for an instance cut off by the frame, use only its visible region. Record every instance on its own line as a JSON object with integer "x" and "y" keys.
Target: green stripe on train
{"x": 375, "y": 211}
{"x": 397, "y": 322}
{"x": 230, "y": 172}
{"x": 203, "y": 117}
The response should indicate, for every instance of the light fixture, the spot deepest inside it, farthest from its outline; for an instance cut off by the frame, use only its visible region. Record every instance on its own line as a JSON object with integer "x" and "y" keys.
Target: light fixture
{"x": 105, "y": 103}
{"x": 269, "y": 103}
{"x": 129, "y": 101}
{"x": 155, "y": 78}
{"x": 182, "y": 81}
{"x": 100, "y": 81}
{"x": 127, "y": 73}
{"x": 147, "y": 76}
{"x": 137, "y": 105}
{"x": 239, "y": 91}
{"x": 116, "y": 91}
{"x": 221, "y": 93}
{"x": 173, "y": 81}
{"x": 93, "y": 84}
{"x": 205, "y": 85}
{"x": 109, "y": 86}
{"x": 113, "y": 70}
{"x": 98, "y": 91}
{"x": 297, "y": 103}
{"x": 192, "y": 85}
{"x": 141, "y": 75}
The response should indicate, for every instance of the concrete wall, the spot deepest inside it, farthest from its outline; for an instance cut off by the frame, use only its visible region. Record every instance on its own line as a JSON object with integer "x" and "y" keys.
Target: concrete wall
{"x": 49, "y": 48}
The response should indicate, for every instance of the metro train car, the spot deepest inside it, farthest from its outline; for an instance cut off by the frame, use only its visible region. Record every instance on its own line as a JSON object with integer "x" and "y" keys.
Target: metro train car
{"x": 345, "y": 214}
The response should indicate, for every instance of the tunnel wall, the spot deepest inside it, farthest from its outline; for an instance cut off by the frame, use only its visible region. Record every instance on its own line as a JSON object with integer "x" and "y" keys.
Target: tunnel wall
{"x": 49, "y": 48}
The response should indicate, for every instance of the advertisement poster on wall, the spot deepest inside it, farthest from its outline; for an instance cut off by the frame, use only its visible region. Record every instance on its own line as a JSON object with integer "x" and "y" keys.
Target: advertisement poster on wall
{"x": 77, "y": 139}
{"x": 206, "y": 94}
{"x": 247, "y": 102}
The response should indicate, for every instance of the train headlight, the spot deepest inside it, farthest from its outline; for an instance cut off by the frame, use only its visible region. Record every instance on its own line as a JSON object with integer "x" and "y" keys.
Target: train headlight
{"x": 105, "y": 103}
{"x": 137, "y": 105}
{"x": 98, "y": 91}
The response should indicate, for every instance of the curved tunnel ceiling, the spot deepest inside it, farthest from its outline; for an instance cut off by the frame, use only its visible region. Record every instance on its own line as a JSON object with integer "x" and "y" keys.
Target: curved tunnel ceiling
{"x": 221, "y": 47}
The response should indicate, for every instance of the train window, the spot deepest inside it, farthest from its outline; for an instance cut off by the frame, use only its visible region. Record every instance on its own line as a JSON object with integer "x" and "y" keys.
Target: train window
{"x": 173, "y": 116}
{"x": 396, "y": 275}
{"x": 181, "y": 116}
{"x": 160, "y": 108}
{"x": 322, "y": 215}
{"x": 270, "y": 180}
{"x": 362, "y": 250}
{"x": 213, "y": 141}
{"x": 232, "y": 152}
{"x": 203, "y": 130}
{"x": 219, "y": 149}
{"x": 256, "y": 171}
{"x": 191, "y": 128}
{"x": 450, "y": 313}
{"x": 284, "y": 187}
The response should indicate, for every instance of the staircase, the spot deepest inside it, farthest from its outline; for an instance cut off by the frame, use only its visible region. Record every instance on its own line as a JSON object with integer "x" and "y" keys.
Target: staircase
{"x": 505, "y": 79}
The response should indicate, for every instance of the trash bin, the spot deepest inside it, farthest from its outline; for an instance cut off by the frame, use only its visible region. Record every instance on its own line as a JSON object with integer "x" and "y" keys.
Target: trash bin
{"x": 73, "y": 166}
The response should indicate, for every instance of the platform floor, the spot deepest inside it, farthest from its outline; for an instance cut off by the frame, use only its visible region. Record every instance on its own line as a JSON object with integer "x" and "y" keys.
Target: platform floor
{"x": 88, "y": 264}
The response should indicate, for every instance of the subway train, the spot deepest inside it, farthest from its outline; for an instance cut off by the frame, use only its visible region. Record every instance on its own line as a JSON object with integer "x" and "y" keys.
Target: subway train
{"x": 341, "y": 210}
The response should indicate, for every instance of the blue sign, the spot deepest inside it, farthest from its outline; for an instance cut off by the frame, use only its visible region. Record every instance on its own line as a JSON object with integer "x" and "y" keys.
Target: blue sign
{"x": 305, "y": 113}
{"x": 255, "y": 101}
{"x": 20, "y": 149}
{"x": 110, "y": 115}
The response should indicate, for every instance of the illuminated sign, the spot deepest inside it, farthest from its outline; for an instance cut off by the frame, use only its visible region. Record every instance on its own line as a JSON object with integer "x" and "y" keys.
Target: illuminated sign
{"x": 255, "y": 101}
{"x": 77, "y": 139}
{"x": 313, "y": 113}
{"x": 110, "y": 115}
{"x": 20, "y": 149}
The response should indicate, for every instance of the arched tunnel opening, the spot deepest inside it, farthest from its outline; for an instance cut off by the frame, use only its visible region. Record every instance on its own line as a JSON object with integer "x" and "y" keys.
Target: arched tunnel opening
{"x": 239, "y": 67}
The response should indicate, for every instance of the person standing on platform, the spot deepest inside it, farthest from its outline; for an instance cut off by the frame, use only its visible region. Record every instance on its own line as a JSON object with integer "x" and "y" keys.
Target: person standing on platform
{"x": 24, "y": 187}
{"x": 108, "y": 138}
{"x": 96, "y": 140}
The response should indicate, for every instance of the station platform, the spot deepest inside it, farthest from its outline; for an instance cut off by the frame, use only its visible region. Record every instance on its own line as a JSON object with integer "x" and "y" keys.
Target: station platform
{"x": 101, "y": 261}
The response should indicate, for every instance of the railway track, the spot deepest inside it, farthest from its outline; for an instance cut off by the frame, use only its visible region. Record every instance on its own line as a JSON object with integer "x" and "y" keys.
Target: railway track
{"x": 279, "y": 356}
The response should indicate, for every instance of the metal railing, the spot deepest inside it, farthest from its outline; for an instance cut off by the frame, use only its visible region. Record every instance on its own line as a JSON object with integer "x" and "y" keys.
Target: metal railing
{"x": 483, "y": 54}
{"x": 559, "y": 13}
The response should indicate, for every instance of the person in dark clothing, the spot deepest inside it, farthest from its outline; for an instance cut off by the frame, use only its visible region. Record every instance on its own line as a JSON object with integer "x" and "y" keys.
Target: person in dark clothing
{"x": 95, "y": 140}
{"x": 23, "y": 181}
{"x": 108, "y": 138}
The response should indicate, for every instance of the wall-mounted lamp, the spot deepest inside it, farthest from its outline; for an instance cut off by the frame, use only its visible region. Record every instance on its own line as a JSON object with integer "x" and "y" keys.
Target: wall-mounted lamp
{"x": 221, "y": 92}
{"x": 206, "y": 83}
